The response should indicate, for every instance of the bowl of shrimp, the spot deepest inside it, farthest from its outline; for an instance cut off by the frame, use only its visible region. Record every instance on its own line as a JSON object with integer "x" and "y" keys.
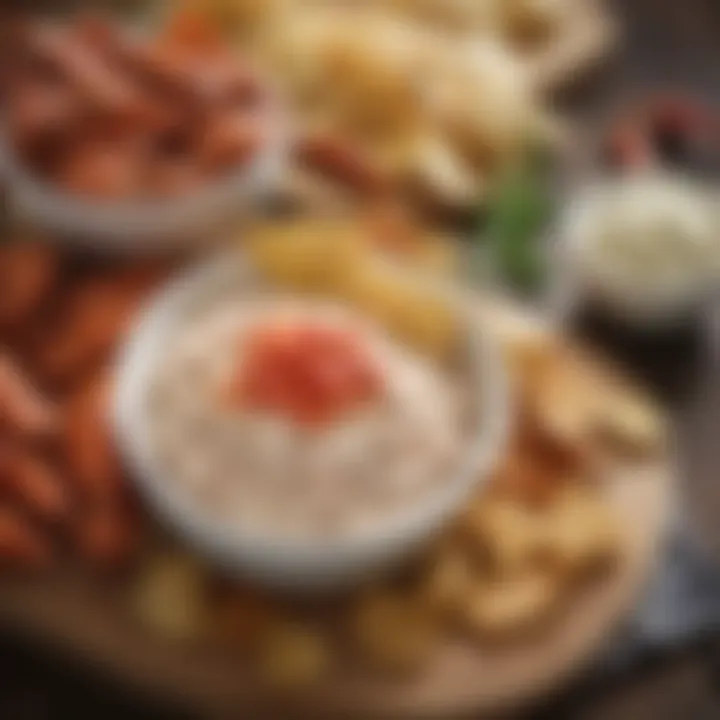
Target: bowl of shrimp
{"x": 127, "y": 138}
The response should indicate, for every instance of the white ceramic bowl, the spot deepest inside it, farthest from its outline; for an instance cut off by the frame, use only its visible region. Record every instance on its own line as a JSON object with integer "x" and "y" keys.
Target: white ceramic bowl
{"x": 577, "y": 277}
{"x": 290, "y": 563}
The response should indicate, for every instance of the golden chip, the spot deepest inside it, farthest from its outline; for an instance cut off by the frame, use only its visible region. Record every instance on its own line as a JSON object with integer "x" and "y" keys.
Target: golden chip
{"x": 630, "y": 422}
{"x": 293, "y": 657}
{"x": 413, "y": 311}
{"x": 447, "y": 580}
{"x": 504, "y": 606}
{"x": 309, "y": 255}
{"x": 581, "y": 532}
{"x": 393, "y": 632}
{"x": 170, "y": 597}
{"x": 506, "y": 531}
{"x": 564, "y": 403}
{"x": 534, "y": 19}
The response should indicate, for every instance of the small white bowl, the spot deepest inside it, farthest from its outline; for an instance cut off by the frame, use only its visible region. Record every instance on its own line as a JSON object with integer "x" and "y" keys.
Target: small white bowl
{"x": 577, "y": 277}
{"x": 299, "y": 565}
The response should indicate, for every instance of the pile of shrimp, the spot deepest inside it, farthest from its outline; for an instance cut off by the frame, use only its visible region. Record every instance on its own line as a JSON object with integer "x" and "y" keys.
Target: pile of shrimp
{"x": 63, "y": 491}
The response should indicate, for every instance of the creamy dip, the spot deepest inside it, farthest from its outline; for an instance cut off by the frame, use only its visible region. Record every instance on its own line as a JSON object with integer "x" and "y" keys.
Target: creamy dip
{"x": 651, "y": 238}
{"x": 261, "y": 470}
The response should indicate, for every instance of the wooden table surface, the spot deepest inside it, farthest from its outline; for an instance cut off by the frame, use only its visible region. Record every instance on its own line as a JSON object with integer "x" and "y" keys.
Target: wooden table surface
{"x": 668, "y": 42}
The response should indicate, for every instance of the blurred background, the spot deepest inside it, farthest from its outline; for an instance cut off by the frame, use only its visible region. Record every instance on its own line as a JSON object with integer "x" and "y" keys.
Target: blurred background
{"x": 669, "y": 43}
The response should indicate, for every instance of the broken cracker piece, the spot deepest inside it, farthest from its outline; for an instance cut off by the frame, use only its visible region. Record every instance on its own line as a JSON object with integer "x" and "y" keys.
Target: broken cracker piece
{"x": 169, "y": 597}
{"x": 393, "y": 632}
{"x": 293, "y": 656}
{"x": 504, "y": 607}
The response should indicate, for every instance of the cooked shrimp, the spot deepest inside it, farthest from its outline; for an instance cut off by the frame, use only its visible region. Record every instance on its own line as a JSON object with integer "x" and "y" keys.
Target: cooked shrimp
{"x": 90, "y": 454}
{"x": 22, "y": 408}
{"x": 28, "y": 274}
{"x": 34, "y": 483}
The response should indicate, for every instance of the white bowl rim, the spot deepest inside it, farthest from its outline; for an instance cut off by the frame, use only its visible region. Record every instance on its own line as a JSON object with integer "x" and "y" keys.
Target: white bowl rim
{"x": 139, "y": 357}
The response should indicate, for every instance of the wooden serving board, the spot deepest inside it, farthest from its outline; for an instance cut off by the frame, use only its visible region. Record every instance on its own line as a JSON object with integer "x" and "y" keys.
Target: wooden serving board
{"x": 80, "y": 616}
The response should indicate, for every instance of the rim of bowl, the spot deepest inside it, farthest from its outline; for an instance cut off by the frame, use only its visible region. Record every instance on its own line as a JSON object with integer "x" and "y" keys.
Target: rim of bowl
{"x": 139, "y": 359}
{"x": 134, "y": 221}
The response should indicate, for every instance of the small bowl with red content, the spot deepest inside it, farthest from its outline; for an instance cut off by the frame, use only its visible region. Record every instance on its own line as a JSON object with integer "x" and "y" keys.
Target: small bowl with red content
{"x": 672, "y": 130}
{"x": 293, "y": 439}
{"x": 110, "y": 135}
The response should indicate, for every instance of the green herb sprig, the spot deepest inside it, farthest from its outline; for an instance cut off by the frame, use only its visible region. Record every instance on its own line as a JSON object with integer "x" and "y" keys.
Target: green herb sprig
{"x": 519, "y": 212}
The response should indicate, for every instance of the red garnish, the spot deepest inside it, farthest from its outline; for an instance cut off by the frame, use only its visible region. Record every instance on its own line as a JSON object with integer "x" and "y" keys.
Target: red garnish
{"x": 629, "y": 146}
{"x": 309, "y": 372}
{"x": 662, "y": 128}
